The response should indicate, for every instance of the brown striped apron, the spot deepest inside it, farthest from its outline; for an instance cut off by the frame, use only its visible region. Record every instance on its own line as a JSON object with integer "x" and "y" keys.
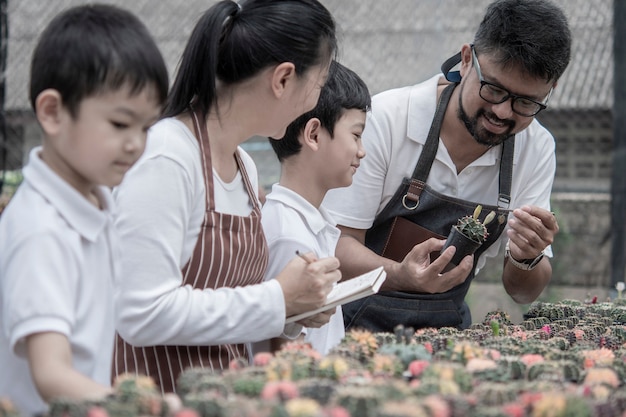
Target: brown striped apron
{"x": 231, "y": 251}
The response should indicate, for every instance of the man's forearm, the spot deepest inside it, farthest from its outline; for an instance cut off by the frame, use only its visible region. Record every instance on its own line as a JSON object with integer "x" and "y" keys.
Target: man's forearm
{"x": 525, "y": 286}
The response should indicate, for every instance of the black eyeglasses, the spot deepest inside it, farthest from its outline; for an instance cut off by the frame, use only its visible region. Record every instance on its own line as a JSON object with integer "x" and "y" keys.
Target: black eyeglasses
{"x": 495, "y": 94}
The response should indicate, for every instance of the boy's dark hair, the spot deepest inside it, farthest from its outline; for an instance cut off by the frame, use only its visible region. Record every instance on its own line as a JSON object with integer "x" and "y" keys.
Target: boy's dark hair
{"x": 344, "y": 90}
{"x": 531, "y": 33}
{"x": 233, "y": 42}
{"x": 92, "y": 49}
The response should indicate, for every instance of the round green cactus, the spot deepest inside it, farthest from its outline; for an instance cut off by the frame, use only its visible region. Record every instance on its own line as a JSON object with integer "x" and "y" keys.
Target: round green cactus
{"x": 473, "y": 227}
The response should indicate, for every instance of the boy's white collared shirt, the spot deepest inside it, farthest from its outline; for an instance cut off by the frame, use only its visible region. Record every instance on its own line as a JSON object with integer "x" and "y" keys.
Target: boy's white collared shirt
{"x": 57, "y": 264}
{"x": 291, "y": 223}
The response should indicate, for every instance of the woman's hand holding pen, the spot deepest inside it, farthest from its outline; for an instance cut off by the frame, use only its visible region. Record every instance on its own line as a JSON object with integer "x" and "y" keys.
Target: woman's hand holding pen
{"x": 306, "y": 281}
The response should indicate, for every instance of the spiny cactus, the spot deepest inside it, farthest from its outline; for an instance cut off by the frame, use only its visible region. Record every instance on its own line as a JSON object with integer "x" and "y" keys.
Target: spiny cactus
{"x": 473, "y": 228}
{"x": 449, "y": 377}
{"x": 360, "y": 344}
{"x": 207, "y": 404}
{"x": 408, "y": 408}
{"x": 359, "y": 401}
{"x": 493, "y": 393}
{"x": 250, "y": 386}
{"x": 319, "y": 389}
{"x": 198, "y": 380}
{"x": 67, "y": 408}
{"x": 404, "y": 347}
{"x": 557, "y": 371}
{"x": 334, "y": 366}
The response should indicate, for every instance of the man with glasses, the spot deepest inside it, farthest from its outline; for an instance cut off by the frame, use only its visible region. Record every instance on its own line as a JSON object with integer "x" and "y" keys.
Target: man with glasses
{"x": 438, "y": 149}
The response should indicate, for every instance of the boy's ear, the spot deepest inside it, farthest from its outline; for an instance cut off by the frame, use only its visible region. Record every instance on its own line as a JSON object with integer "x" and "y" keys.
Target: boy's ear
{"x": 48, "y": 109}
{"x": 311, "y": 133}
{"x": 282, "y": 75}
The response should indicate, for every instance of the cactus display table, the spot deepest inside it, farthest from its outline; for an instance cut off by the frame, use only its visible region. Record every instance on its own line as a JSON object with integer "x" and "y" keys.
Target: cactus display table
{"x": 564, "y": 359}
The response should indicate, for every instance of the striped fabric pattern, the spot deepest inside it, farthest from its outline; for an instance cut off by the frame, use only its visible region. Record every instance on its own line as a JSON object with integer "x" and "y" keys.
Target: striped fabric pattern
{"x": 231, "y": 251}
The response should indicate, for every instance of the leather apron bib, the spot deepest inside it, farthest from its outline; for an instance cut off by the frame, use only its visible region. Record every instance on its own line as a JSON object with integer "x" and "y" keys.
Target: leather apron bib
{"x": 231, "y": 251}
{"x": 415, "y": 213}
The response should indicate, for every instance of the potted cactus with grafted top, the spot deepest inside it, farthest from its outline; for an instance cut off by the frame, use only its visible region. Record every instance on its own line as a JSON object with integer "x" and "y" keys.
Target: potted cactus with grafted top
{"x": 468, "y": 234}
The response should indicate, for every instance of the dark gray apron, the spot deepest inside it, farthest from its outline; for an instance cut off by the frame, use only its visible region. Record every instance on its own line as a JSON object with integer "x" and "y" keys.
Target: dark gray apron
{"x": 416, "y": 206}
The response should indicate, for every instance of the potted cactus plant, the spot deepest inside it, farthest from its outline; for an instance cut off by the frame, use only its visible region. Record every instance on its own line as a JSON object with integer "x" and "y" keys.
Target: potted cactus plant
{"x": 468, "y": 234}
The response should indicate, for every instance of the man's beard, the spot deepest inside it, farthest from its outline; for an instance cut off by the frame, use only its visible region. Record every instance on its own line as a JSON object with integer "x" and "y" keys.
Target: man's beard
{"x": 480, "y": 134}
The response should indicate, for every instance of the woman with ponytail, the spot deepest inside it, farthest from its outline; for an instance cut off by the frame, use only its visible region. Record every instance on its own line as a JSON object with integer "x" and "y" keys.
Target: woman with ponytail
{"x": 194, "y": 254}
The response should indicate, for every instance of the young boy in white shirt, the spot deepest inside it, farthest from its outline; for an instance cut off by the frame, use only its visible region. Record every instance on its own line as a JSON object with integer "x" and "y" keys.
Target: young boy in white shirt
{"x": 98, "y": 82}
{"x": 321, "y": 150}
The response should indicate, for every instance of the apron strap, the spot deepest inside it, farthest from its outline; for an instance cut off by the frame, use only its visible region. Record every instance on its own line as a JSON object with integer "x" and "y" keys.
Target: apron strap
{"x": 202, "y": 135}
{"x": 199, "y": 125}
{"x": 422, "y": 169}
{"x": 506, "y": 172}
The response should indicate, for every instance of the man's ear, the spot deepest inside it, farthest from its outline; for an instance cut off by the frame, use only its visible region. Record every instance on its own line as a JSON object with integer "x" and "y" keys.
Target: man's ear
{"x": 282, "y": 76}
{"x": 311, "y": 133}
{"x": 49, "y": 109}
{"x": 466, "y": 59}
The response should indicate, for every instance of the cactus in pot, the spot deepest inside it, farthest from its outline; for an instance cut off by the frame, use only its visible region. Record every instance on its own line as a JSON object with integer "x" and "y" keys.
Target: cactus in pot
{"x": 473, "y": 228}
{"x": 468, "y": 234}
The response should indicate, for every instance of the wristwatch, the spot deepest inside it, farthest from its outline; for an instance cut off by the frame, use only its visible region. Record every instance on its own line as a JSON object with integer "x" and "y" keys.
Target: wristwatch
{"x": 524, "y": 264}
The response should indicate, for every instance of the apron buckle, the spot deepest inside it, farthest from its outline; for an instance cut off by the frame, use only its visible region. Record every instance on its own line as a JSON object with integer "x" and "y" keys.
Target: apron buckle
{"x": 406, "y": 206}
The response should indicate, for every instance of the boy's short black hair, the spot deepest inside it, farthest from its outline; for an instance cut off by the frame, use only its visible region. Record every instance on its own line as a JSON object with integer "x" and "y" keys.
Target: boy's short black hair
{"x": 96, "y": 48}
{"x": 344, "y": 90}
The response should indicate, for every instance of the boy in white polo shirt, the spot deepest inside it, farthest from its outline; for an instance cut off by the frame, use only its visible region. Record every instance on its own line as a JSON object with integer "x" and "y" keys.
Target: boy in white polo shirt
{"x": 321, "y": 150}
{"x": 98, "y": 82}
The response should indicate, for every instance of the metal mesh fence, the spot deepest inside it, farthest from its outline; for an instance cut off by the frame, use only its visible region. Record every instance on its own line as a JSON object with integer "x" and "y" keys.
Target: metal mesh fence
{"x": 390, "y": 43}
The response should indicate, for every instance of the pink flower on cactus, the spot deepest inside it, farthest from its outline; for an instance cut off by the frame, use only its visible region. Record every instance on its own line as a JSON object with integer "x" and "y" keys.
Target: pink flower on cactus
{"x": 336, "y": 411}
{"x": 597, "y": 357}
{"x": 529, "y": 397}
{"x": 187, "y": 412}
{"x": 480, "y": 364}
{"x": 97, "y": 411}
{"x": 237, "y": 364}
{"x": 579, "y": 334}
{"x": 492, "y": 354}
{"x": 520, "y": 334}
{"x": 546, "y": 329}
{"x": 417, "y": 366}
{"x": 262, "y": 358}
{"x": 602, "y": 376}
{"x": 437, "y": 406}
{"x": 531, "y": 358}
{"x": 280, "y": 390}
{"x": 514, "y": 410}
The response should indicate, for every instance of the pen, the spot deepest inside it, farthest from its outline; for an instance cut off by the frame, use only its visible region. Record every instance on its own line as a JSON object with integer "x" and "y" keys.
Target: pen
{"x": 306, "y": 259}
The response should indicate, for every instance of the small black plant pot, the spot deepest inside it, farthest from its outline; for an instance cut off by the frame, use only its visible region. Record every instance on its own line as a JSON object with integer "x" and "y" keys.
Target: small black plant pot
{"x": 463, "y": 244}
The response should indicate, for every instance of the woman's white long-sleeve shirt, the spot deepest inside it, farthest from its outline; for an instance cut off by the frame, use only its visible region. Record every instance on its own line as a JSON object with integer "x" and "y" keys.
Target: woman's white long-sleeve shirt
{"x": 161, "y": 205}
